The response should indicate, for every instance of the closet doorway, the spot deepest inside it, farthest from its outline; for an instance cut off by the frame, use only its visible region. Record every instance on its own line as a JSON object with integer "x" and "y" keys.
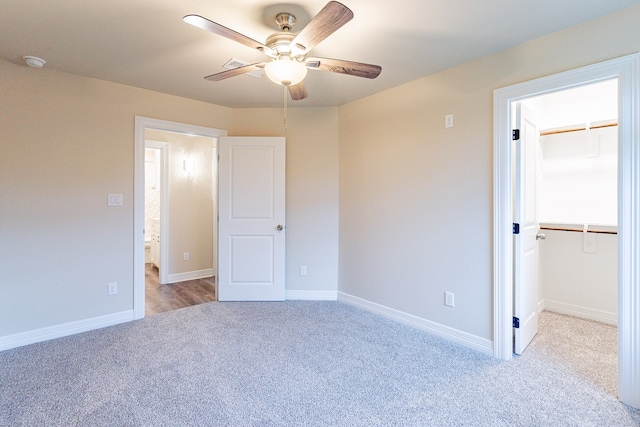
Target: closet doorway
{"x": 625, "y": 70}
{"x": 574, "y": 196}
{"x": 577, "y": 203}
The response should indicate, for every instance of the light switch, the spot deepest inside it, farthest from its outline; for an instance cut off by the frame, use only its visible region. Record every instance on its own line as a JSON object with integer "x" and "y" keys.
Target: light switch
{"x": 448, "y": 121}
{"x": 114, "y": 200}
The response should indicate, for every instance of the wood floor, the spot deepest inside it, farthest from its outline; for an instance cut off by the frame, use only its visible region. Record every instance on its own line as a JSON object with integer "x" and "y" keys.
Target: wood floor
{"x": 160, "y": 298}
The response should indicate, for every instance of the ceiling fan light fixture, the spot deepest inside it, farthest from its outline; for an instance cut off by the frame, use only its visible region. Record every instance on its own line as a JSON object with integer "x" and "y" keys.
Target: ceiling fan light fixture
{"x": 285, "y": 71}
{"x": 288, "y": 51}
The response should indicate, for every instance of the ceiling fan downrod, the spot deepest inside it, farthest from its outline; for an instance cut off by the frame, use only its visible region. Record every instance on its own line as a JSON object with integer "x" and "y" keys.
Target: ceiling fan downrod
{"x": 285, "y": 21}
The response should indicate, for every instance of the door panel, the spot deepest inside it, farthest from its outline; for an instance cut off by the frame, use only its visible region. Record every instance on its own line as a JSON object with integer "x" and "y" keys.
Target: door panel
{"x": 251, "y": 259}
{"x": 251, "y": 209}
{"x": 252, "y": 182}
{"x": 526, "y": 286}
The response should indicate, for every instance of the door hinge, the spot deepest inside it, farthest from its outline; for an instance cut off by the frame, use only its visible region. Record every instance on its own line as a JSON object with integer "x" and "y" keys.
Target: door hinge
{"x": 516, "y": 228}
{"x": 516, "y": 134}
{"x": 516, "y": 322}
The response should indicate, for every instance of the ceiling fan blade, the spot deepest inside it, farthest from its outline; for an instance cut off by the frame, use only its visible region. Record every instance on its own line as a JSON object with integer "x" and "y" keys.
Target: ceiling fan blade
{"x": 298, "y": 91}
{"x": 358, "y": 69}
{"x": 214, "y": 27}
{"x": 333, "y": 16}
{"x": 235, "y": 72}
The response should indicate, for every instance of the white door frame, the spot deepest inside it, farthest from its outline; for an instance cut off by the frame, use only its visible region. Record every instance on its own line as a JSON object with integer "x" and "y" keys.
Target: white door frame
{"x": 164, "y": 204}
{"x": 141, "y": 124}
{"x": 627, "y": 71}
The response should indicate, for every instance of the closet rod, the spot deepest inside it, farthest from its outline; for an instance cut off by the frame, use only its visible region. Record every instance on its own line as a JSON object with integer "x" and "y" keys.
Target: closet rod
{"x": 577, "y": 230}
{"x": 575, "y": 129}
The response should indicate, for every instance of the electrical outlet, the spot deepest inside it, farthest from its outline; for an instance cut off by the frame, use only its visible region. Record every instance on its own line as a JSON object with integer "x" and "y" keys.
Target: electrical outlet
{"x": 185, "y": 256}
{"x": 114, "y": 199}
{"x": 448, "y": 299}
{"x": 303, "y": 270}
{"x": 112, "y": 288}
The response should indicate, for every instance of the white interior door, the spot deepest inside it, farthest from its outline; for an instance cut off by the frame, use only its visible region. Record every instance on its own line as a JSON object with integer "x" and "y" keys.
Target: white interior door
{"x": 251, "y": 234}
{"x": 526, "y": 287}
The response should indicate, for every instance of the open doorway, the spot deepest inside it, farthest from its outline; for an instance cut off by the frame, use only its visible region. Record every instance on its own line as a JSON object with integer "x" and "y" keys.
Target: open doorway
{"x": 625, "y": 70}
{"x": 577, "y": 191}
{"x": 155, "y": 205}
{"x": 573, "y": 198}
{"x": 180, "y": 227}
{"x": 251, "y": 213}
{"x": 188, "y": 214}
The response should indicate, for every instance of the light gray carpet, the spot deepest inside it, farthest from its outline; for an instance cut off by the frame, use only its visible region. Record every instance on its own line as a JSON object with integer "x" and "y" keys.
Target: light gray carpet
{"x": 301, "y": 363}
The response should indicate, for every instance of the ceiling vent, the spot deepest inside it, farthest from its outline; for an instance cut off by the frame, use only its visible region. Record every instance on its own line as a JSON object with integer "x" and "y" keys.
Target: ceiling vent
{"x": 234, "y": 63}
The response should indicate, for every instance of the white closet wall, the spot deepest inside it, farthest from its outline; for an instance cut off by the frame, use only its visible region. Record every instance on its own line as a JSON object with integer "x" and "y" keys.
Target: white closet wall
{"x": 578, "y": 270}
{"x": 578, "y": 186}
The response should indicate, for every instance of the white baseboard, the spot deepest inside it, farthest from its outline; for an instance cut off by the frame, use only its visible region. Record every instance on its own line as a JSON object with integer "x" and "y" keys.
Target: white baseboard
{"x": 468, "y": 340}
{"x": 63, "y": 330}
{"x": 311, "y": 295}
{"x": 582, "y": 312}
{"x": 190, "y": 275}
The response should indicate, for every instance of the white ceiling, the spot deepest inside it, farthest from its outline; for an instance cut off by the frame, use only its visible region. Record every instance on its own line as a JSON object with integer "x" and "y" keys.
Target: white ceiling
{"x": 145, "y": 43}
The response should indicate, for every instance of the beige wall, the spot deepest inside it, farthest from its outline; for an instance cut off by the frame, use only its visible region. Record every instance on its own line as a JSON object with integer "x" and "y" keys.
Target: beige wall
{"x": 312, "y": 189}
{"x": 416, "y": 198}
{"x": 65, "y": 143}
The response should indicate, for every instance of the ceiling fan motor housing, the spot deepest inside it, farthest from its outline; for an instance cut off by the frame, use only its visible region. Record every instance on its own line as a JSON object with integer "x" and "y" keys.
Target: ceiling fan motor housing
{"x": 281, "y": 42}
{"x": 285, "y": 21}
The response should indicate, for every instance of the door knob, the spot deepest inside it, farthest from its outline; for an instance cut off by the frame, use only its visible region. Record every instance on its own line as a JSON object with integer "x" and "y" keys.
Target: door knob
{"x": 541, "y": 236}
{"x": 280, "y": 227}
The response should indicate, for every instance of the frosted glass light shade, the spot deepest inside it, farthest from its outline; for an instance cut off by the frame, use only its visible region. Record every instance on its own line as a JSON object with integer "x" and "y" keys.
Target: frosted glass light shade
{"x": 285, "y": 72}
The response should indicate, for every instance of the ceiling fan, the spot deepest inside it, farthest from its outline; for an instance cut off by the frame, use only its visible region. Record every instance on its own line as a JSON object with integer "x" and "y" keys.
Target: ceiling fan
{"x": 288, "y": 51}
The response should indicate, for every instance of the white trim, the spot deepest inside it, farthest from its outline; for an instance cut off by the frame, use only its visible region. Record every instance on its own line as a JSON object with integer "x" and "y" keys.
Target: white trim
{"x": 190, "y": 275}
{"x": 311, "y": 295}
{"x": 627, "y": 71}
{"x": 63, "y": 330}
{"x": 142, "y": 123}
{"x": 468, "y": 340}
{"x": 214, "y": 186}
{"x": 629, "y": 235}
{"x": 163, "y": 269}
{"x": 582, "y": 312}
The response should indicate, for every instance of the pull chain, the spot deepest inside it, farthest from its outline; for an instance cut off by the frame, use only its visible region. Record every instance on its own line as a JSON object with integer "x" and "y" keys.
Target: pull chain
{"x": 285, "y": 109}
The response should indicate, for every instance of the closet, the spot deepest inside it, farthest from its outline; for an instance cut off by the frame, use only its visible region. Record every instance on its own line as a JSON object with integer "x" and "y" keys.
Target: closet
{"x": 577, "y": 200}
{"x": 578, "y": 215}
